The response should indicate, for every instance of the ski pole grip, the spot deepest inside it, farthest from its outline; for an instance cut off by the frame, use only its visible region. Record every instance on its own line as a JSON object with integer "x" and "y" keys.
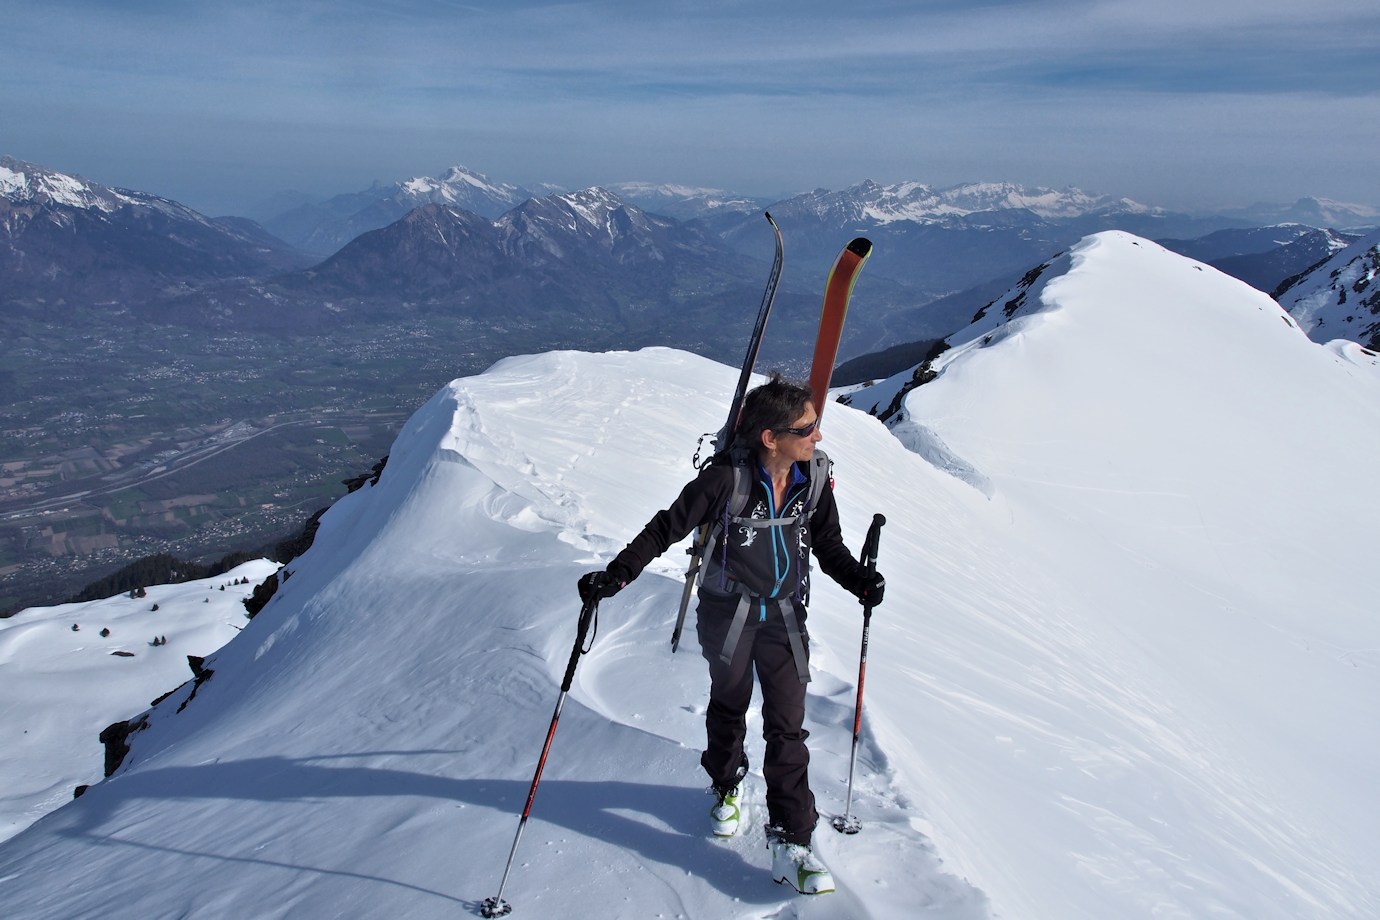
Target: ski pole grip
{"x": 586, "y": 615}
{"x": 874, "y": 537}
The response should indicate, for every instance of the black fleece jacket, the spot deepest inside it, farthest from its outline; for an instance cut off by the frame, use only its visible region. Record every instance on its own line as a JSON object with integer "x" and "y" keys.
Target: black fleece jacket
{"x": 704, "y": 500}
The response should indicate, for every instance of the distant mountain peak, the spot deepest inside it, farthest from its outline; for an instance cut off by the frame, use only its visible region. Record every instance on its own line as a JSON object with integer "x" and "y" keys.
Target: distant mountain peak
{"x": 1314, "y": 211}
{"x": 65, "y": 237}
{"x": 328, "y": 226}
{"x": 22, "y": 182}
{"x": 686, "y": 202}
{"x": 918, "y": 202}
{"x": 592, "y": 200}
{"x": 458, "y": 183}
{"x": 666, "y": 190}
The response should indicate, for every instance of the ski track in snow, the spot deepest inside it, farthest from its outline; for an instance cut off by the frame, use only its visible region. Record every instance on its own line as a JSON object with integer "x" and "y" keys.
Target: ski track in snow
{"x": 631, "y": 650}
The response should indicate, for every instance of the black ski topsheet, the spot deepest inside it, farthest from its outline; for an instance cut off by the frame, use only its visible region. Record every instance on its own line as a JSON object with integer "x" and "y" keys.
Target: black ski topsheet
{"x": 725, "y": 436}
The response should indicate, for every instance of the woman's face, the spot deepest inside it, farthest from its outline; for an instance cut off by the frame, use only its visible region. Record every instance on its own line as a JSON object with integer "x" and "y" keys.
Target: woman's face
{"x": 797, "y": 441}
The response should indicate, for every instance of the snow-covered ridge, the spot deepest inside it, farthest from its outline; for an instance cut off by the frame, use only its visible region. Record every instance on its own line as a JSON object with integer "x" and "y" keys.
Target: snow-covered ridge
{"x": 917, "y": 201}
{"x": 593, "y": 206}
{"x": 668, "y": 190}
{"x": 457, "y": 185}
{"x": 592, "y": 214}
{"x": 684, "y": 201}
{"x": 1124, "y": 683}
{"x": 25, "y": 182}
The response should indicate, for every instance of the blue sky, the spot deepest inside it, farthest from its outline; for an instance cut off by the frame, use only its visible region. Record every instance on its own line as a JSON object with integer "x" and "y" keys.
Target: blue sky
{"x": 1182, "y": 103}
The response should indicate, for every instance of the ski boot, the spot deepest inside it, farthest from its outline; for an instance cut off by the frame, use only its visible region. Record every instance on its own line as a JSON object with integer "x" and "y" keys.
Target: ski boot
{"x": 797, "y": 865}
{"x": 725, "y": 815}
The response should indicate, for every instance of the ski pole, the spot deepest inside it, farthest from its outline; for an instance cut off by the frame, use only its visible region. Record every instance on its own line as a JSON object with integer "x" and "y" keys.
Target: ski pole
{"x": 496, "y": 906}
{"x": 847, "y": 823}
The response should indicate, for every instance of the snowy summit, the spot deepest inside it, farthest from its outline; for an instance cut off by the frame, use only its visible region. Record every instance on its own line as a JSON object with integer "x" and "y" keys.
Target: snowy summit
{"x": 1134, "y": 675}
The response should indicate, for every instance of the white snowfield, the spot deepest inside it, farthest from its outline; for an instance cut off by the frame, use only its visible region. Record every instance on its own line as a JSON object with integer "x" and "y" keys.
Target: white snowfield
{"x": 1137, "y": 676}
{"x": 60, "y": 687}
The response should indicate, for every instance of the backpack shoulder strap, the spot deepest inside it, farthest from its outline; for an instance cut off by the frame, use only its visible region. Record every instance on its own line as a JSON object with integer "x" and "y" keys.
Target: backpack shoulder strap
{"x": 821, "y": 475}
{"x": 741, "y": 461}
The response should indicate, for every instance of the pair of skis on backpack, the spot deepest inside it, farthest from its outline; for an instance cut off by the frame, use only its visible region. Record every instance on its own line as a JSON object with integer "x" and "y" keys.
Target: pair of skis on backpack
{"x": 838, "y": 290}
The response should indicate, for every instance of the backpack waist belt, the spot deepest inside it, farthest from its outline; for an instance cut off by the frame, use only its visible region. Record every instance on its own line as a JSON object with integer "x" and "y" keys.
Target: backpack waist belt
{"x": 791, "y": 615}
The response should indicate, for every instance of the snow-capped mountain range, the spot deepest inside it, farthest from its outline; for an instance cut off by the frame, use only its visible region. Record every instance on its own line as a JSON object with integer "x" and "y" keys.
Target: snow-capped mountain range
{"x": 582, "y": 269}
{"x": 1125, "y": 667}
{"x": 937, "y": 239}
{"x": 62, "y": 236}
{"x": 686, "y": 202}
{"x": 920, "y": 203}
{"x": 324, "y": 228}
{"x": 22, "y": 183}
{"x": 69, "y": 240}
{"x": 581, "y": 245}
{"x": 539, "y": 230}
{"x": 33, "y": 188}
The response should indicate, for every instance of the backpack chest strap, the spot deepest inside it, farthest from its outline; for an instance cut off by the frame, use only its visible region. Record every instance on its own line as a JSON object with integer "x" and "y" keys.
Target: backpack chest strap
{"x": 764, "y": 522}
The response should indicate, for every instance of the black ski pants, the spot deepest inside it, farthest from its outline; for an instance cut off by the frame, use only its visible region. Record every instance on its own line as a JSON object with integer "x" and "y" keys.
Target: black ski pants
{"x": 766, "y": 648}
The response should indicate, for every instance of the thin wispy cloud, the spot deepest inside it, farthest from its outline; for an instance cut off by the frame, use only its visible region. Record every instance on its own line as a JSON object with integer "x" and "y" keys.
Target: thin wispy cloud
{"x": 761, "y": 97}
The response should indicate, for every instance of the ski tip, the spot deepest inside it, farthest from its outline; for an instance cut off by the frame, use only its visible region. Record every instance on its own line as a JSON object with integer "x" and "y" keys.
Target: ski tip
{"x": 861, "y": 247}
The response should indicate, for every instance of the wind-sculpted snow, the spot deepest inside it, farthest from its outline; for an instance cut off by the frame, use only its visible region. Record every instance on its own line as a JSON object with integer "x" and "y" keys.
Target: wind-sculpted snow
{"x": 1136, "y": 679}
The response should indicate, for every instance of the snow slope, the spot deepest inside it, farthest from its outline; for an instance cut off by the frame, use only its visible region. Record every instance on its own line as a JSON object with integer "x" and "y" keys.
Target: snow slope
{"x": 1135, "y": 677}
{"x": 1340, "y": 299}
{"x": 60, "y": 688}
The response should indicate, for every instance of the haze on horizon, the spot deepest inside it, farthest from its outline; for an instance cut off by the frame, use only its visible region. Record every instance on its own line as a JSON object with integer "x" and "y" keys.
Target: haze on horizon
{"x": 1180, "y": 104}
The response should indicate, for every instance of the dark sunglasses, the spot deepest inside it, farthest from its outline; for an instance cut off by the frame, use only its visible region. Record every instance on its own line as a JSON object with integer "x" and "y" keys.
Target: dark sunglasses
{"x": 803, "y": 432}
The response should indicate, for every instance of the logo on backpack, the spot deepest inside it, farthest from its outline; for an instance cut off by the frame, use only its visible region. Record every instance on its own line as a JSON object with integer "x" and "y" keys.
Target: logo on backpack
{"x": 749, "y": 534}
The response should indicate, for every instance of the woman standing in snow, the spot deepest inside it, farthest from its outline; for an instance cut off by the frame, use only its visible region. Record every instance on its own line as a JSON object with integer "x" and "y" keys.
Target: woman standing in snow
{"x": 752, "y": 607}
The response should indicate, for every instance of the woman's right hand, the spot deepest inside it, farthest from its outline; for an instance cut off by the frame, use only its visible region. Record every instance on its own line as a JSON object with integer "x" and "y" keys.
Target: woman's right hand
{"x": 595, "y": 586}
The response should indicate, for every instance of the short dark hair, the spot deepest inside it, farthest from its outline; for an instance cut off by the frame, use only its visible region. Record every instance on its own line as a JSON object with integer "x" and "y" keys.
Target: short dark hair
{"x": 775, "y": 404}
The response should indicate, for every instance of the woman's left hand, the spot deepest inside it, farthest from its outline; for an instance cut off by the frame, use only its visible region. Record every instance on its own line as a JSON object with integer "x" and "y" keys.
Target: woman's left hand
{"x": 871, "y": 589}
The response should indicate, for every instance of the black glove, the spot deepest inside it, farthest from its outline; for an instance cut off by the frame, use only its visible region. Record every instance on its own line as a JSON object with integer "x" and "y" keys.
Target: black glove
{"x": 595, "y": 586}
{"x": 871, "y": 589}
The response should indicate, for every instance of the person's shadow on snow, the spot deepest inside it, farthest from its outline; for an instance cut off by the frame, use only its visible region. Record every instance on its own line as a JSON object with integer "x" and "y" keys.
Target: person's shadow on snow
{"x": 662, "y": 824}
